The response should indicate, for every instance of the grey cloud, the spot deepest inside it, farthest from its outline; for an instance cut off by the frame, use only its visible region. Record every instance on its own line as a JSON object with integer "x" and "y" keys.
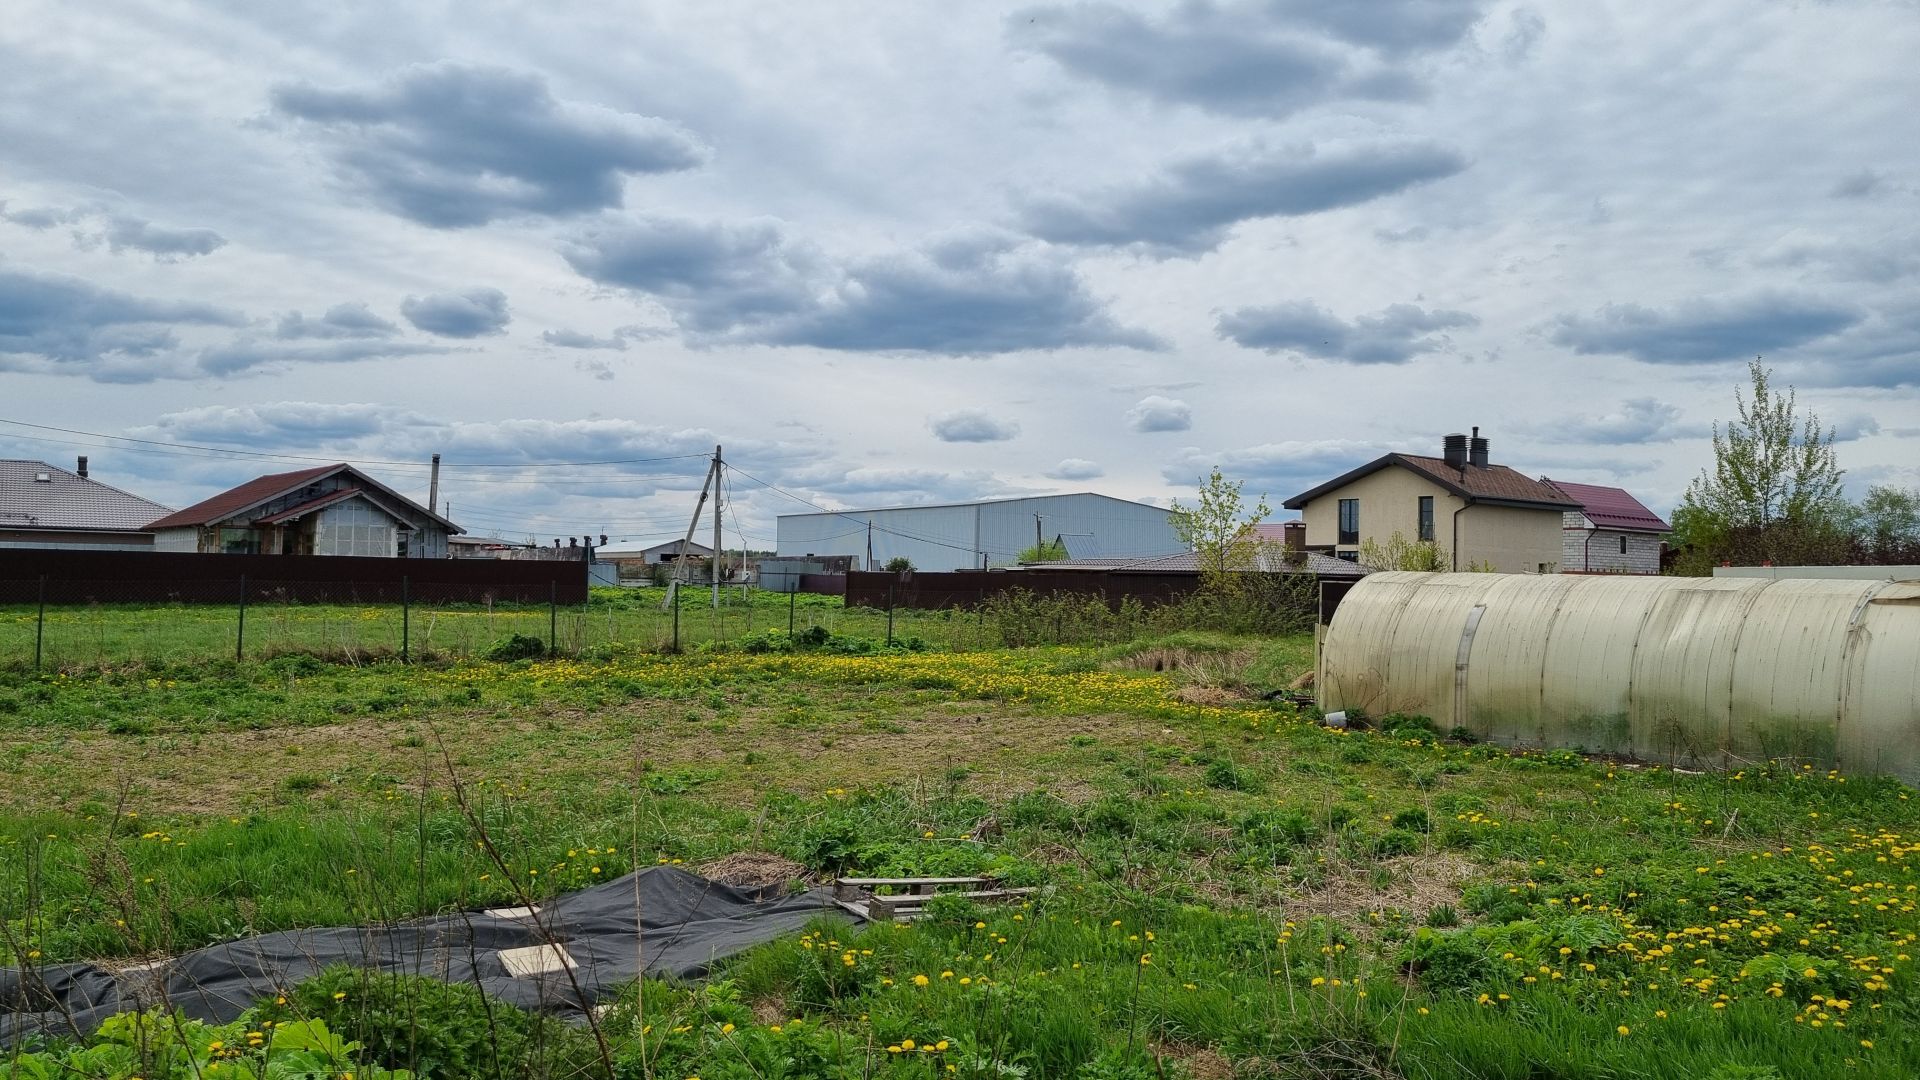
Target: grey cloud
{"x": 599, "y": 369}
{"x": 1855, "y": 426}
{"x": 1280, "y": 470}
{"x": 1247, "y": 59}
{"x": 69, "y": 326}
{"x": 574, "y": 339}
{"x": 1638, "y": 420}
{"x": 1234, "y": 60}
{"x": 713, "y": 277}
{"x": 471, "y": 314}
{"x": 1075, "y": 469}
{"x": 135, "y": 234}
{"x": 248, "y": 353}
{"x": 340, "y": 321}
{"x": 968, "y": 294}
{"x": 1884, "y": 259}
{"x": 1525, "y": 29}
{"x": 883, "y": 486}
{"x": 1704, "y": 331}
{"x": 449, "y": 145}
{"x": 971, "y": 426}
{"x": 279, "y": 424}
{"x": 1156, "y": 413}
{"x": 1394, "y": 335}
{"x": 1864, "y": 184}
{"x": 120, "y": 232}
{"x": 1190, "y": 208}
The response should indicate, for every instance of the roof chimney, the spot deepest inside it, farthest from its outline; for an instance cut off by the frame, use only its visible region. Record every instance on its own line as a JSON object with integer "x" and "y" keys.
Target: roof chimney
{"x": 1477, "y": 450}
{"x": 82, "y": 470}
{"x": 1456, "y": 451}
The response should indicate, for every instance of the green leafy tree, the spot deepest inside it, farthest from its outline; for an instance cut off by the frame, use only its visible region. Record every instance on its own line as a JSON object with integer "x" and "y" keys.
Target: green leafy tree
{"x": 1888, "y": 518}
{"x": 1774, "y": 471}
{"x": 1221, "y": 529}
{"x": 899, "y": 564}
{"x": 1048, "y": 551}
{"x": 1400, "y": 553}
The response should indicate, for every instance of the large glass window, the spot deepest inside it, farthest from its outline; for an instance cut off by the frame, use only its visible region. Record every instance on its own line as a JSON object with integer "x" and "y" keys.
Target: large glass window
{"x": 240, "y": 541}
{"x": 1426, "y": 517}
{"x": 1349, "y": 521}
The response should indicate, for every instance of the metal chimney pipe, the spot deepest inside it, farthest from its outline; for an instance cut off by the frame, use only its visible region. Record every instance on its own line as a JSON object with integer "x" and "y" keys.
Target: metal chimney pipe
{"x": 1477, "y": 450}
{"x": 433, "y": 485}
{"x": 82, "y": 470}
{"x": 1455, "y": 451}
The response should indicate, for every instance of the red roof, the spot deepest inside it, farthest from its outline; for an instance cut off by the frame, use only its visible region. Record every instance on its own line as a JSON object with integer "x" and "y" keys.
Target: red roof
{"x": 1496, "y": 484}
{"x": 252, "y": 493}
{"x": 1611, "y": 507}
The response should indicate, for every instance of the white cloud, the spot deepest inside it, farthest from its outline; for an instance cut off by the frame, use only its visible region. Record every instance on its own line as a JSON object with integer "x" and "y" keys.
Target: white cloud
{"x": 1156, "y": 413}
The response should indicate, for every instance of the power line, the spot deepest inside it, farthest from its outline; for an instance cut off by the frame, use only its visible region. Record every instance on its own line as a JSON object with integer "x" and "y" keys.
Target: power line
{"x": 865, "y": 522}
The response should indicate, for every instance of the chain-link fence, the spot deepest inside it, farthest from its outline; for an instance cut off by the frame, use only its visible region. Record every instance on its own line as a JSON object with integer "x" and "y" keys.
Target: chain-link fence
{"x": 53, "y": 624}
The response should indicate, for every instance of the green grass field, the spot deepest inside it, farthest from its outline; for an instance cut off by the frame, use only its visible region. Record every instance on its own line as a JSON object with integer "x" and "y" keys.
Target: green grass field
{"x": 110, "y": 634}
{"x": 1235, "y": 890}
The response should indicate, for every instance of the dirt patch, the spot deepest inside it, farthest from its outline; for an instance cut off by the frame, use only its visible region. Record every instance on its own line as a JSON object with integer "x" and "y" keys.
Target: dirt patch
{"x": 752, "y": 869}
{"x": 1419, "y": 884}
{"x": 1209, "y": 695}
{"x": 1198, "y": 1062}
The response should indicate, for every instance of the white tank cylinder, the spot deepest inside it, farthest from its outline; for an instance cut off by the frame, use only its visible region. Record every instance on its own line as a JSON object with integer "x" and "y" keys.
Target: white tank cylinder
{"x": 1692, "y": 671}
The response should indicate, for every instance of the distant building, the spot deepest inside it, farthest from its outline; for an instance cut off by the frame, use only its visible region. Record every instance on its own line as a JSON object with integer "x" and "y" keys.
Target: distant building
{"x": 43, "y": 506}
{"x": 652, "y": 555}
{"x": 1611, "y": 533}
{"x": 1477, "y": 512}
{"x": 975, "y": 535}
{"x": 329, "y": 510}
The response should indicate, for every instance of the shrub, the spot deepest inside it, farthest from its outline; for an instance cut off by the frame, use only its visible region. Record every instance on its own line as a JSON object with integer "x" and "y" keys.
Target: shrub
{"x": 1446, "y": 961}
{"x": 1223, "y": 773}
{"x": 517, "y": 647}
{"x": 430, "y": 1027}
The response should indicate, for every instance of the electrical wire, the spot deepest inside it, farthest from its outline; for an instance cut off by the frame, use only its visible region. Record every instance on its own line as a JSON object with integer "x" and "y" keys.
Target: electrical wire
{"x": 866, "y": 522}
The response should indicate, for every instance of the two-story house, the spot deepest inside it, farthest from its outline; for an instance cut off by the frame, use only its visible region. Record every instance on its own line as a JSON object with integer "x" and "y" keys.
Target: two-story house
{"x": 1478, "y": 513}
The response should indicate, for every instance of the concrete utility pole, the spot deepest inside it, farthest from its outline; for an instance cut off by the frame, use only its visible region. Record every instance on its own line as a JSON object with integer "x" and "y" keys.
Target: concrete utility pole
{"x": 717, "y": 464}
{"x": 433, "y": 485}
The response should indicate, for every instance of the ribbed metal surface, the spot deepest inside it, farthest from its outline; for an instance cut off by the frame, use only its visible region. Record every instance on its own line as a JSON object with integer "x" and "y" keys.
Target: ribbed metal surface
{"x": 958, "y": 536}
{"x": 1718, "y": 671}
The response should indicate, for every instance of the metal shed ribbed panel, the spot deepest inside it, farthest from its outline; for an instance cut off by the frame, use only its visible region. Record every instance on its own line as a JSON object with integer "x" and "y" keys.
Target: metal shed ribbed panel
{"x": 1692, "y": 670}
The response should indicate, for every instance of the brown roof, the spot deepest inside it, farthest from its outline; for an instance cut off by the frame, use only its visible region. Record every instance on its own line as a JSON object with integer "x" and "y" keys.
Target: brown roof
{"x": 252, "y": 493}
{"x": 1481, "y": 483}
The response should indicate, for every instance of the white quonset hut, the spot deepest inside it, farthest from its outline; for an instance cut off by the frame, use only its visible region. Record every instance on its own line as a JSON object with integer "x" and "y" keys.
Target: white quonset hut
{"x": 973, "y": 535}
{"x": 1714, "y": 671}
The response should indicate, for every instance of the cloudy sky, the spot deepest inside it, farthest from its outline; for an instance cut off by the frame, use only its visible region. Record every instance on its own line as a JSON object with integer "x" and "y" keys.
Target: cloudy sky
{"x": 921, "y": 252}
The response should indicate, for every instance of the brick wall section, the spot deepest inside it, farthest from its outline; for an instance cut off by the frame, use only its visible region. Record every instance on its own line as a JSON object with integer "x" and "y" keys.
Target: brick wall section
{"x": 1601, "y": 554}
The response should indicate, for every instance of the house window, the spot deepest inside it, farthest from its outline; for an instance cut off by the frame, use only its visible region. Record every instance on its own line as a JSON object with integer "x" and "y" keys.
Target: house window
{"x": 1349, "y": 521}
{"x": 1623, "y": 545}
{"x": 1426, "y": 517}
{"x": 240, "y": 541}
{"x": 1350, "y": 556}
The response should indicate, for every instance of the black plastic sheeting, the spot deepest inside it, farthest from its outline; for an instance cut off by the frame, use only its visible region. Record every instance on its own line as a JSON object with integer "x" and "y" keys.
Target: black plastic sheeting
{"x": 686, "y": 923}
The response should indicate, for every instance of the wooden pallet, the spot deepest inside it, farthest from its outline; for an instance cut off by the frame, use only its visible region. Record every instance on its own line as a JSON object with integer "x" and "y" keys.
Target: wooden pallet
{"x": 856, "y": 895}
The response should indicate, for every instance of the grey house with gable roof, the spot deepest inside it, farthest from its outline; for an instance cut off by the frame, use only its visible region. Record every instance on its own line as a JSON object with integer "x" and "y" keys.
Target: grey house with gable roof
{"x": 45, "y": 506}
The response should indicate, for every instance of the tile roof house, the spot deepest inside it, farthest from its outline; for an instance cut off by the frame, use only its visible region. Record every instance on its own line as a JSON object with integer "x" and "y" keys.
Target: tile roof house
{"x": 1611, "y": 533}
{"x": 1479, "y": 513}
{"x": 328, "y": 510}
{"x": 44, "y": 506}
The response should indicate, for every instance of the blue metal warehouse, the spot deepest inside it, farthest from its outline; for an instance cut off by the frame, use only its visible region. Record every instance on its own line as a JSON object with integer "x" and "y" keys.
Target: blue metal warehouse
{"x": 972, "y": 535}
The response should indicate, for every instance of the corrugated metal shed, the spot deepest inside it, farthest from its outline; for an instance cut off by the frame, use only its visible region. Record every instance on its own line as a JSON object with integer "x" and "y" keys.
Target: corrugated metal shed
{"x": 967, "y": 536}
{"x": 68, "y": 501}
{"x": 1717, "y": 671}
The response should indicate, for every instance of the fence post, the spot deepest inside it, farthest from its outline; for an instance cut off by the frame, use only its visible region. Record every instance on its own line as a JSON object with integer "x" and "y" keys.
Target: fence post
{"x": 790, "y": 595}
{"x": 240, "y": 636}
{"x": 406, "y": 619}
{"x": 889, "y": 614}
{"x": 40, "y": 623}
{"x": 553, "y": 616}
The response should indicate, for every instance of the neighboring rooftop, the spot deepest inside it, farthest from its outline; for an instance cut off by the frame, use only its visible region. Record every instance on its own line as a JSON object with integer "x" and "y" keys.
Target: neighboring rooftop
{"x": 1496, "y": 484}
{"x": 1610, "y": 507}
{"x": 262, "y": 489}
{"x": 66, "y": 500}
